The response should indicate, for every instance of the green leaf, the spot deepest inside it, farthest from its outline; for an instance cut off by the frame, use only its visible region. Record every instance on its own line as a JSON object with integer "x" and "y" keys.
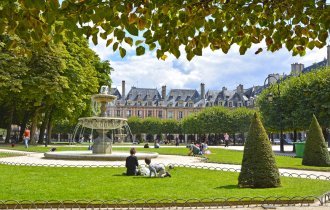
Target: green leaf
{"x": 119, "y": 34}
{"x": 137, "y": 42}
{"x": 258, "y": 51}
{"x": 122, "y": 52}
{"x": 109, "y": 42}
{"x": 140, "y": 50}
{"x": 132, "y": 30}
{"x": 94, "y": 39}
{"x": 160, "y": 53}
{"x": 115, "y": 46}
{"x": 242, "y": 50}
{"x": 152, "y": 46}
{"x": 311, "y": 45}
{"x": 129, "y": 40}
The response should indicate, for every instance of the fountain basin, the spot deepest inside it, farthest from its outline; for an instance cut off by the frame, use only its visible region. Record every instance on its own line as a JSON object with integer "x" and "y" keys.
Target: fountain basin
{"x": 88, "y": 155}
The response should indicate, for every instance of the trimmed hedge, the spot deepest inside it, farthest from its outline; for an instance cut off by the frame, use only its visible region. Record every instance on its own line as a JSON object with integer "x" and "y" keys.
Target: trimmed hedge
{"x": 259, "y": 168}
{"x": 316, "y": 151}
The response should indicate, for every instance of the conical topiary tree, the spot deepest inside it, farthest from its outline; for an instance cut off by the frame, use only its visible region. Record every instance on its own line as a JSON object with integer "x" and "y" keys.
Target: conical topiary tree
{"x": 316, "y": 151}
{"x": 259, "y": 168}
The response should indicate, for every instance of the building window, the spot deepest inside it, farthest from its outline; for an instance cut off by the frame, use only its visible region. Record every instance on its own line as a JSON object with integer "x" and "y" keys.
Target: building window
{"x": 230, "y": 104}
{"x": 190, "y": 104}
{"x": 118, "y": 113}
{"x": 149, "y": 103}
{"x": 160, "y": 114}
{"x": 170, "y": 105}
{"x": 170, "y": 114}
{"x": 220, "y": 103}
{"x": 239, "y": 104}
{"x": 139, "y": 113}
{"x": 129, "y": 113}
{"x": 180, "y": 115}
{"x": 149, "y": 113}
{"x": 180, "y": 104}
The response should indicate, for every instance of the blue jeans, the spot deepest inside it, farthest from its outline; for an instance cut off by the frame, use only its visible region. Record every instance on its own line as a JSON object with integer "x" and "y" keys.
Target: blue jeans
{"x": 26, "y": 142}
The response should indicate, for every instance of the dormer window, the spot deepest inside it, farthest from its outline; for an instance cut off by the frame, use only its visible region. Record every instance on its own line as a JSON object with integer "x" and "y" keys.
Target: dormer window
{"x": 170, "y": 105}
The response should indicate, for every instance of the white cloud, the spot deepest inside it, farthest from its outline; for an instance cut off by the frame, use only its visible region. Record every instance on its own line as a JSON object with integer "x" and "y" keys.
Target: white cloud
{"x": 214, "y": 68}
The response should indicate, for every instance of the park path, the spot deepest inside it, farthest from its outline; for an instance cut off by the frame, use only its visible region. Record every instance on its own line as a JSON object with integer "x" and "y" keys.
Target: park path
{"x": 37, "y": 159}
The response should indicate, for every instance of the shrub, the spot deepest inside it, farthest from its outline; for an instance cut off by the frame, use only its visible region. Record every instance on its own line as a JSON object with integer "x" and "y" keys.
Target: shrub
{"x": 259, "y": 168}
{"x": 316, "y": 151}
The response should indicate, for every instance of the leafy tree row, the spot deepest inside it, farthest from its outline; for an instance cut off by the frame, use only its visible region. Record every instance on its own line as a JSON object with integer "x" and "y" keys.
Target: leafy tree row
{"x": 51, "y": 86}
{"x": 300, "y": 98}
{"x": 165, "y": 26}
{"x": 209, "y": 121}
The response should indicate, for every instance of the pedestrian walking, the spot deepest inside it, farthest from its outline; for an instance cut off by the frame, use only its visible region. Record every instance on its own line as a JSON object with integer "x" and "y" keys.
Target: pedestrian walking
{"x": 226, "y": 136}
{"x": 26, "y": 136}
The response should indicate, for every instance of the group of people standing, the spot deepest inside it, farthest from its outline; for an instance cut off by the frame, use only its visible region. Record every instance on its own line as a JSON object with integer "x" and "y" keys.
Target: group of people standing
{"x": 132, "y": 165}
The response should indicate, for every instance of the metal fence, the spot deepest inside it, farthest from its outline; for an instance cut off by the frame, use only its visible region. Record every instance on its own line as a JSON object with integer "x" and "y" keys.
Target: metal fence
{"x": 165, "y": 203}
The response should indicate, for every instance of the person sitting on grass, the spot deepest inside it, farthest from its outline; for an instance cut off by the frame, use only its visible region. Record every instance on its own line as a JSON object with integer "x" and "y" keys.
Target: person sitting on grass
{"x": 193, "y": 150}
{"x": 156, "y": 169}
{"x": 132, "y": 163}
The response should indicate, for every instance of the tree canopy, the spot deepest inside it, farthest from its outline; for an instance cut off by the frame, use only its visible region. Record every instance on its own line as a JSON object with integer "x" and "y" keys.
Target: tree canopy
{"x": 52, "y": 86}
{"x": 300, "y": 98}
{"x": 168, "y": 25}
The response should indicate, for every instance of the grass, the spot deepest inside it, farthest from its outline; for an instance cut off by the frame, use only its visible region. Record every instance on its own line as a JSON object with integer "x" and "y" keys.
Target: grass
{"x": 218, "y": 155}
{"x": 51, "y": 183}
{"x": 6, "y": 154}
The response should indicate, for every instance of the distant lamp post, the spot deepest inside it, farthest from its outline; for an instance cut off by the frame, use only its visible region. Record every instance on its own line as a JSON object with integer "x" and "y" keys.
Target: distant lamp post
{"x": 270, "y": 98}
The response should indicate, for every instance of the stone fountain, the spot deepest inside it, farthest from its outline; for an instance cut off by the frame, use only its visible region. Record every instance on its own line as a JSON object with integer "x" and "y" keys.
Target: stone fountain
{"x": 102, "y": 123}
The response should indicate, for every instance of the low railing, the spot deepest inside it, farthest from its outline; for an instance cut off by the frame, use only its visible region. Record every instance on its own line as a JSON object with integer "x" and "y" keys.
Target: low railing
{"x": 169, "y": 203}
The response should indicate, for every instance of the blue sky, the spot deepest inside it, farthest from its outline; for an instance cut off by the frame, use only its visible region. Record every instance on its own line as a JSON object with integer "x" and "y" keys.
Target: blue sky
{"x": 214, "y": 68}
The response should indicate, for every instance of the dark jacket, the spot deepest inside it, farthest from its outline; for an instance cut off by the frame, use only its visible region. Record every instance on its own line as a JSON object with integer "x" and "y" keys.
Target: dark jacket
{"x": 131, "y": 164}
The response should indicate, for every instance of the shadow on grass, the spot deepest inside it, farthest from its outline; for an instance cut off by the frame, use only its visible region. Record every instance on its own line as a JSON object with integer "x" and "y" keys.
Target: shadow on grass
{"x": 231, "y": 186}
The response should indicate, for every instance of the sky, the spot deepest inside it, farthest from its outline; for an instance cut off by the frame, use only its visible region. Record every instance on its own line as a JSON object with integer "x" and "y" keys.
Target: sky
{"x": 215, "y": 69}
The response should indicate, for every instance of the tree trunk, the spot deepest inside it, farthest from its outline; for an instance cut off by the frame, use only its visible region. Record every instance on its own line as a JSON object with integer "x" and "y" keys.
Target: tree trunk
{"x": 9, "y": 122}
{"x": 34, "y": 123}
{"x": 43, "y": 127}
{"x": 295, "y": 135}
{"x": 50, "y": 127}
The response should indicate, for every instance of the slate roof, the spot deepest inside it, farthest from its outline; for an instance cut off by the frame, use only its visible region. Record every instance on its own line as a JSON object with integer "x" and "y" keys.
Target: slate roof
{"x": 115, "y": 91}
{"x": 315, "y": 66}
{"x": 143, "y": 94}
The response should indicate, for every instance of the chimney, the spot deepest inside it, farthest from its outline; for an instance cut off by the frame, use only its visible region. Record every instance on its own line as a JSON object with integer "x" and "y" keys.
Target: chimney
{"x": 296, "y": 69}
{"x": 123, "y": 89}
{"x": 239, "y": 88}
{"x": 202, "y": 91}
{"x": 163, "y": 92}
{"x": 328, "y": 55}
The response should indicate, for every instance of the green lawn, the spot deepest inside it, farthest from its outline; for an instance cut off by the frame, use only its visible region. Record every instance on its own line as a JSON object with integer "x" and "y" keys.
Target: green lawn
{"x": 48, "y": 183}
{"x": 217, "y": 155}
{"x": 6, "y": 154}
